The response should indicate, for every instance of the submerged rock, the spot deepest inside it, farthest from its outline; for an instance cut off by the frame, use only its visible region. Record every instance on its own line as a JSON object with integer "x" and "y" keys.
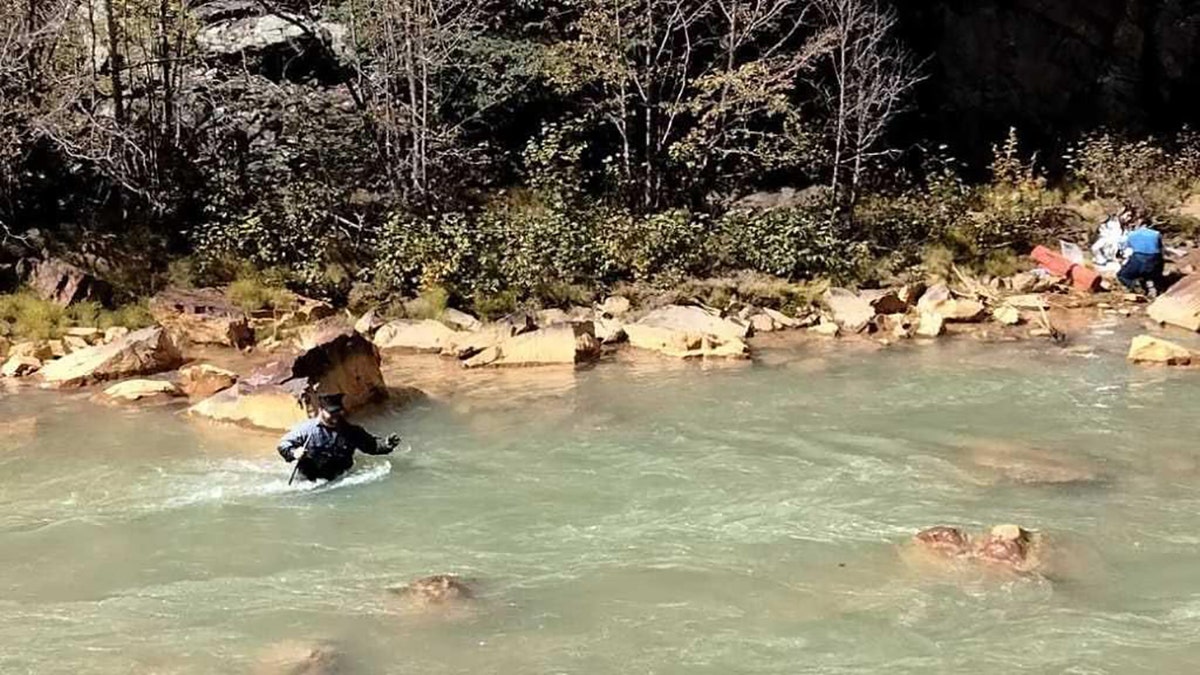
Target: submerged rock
{"x": 1004, "y": 462}
{"x": 1147, "y": 349}
{"x": 143, "y": 352}
{"x": 202, "y": 316}
{"x": 1007, "y": 549}
{"x": 295, "y": 657}
{"x": 439, "y": 592}
{"x": 566, "y": 343}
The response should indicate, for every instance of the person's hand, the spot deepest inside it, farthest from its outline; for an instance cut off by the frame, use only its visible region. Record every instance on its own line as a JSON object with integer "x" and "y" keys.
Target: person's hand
{"x": 297, "y": 454}
{"x": 392, "y": 441}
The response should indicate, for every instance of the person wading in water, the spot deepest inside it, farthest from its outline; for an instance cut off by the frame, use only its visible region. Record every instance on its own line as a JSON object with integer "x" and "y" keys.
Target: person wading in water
{"x": 323, "y": 447}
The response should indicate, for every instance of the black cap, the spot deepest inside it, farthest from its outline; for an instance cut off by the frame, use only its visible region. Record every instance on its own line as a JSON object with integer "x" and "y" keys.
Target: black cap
{"x": 332, "y": 403}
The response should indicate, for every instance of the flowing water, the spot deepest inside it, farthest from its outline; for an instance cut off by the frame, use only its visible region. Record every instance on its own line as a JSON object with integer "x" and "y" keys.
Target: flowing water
{"x": 624, "y": 519}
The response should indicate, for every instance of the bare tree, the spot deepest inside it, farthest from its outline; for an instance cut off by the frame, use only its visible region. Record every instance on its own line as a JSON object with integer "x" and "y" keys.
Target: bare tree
{"x": 870, "y": 76}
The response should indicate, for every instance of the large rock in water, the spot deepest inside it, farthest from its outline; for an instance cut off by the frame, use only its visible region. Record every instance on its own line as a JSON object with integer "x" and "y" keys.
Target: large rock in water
{"x": 417, "y": 336}
{"x": 688, "y": 332}
{"x": 202, "y": 316}
{"x": 63, "y": 283}
{"x": 204, "y": 380}
{"x": 1180, "y": 305}
{"x": 1147, "y": 349}
{"x": 276, "y": 396}
{"x": 142, "y": 352}
{"x": 939, "y": 300}
{"x": 567, "y": 343}
{"x": 136, "y": 390}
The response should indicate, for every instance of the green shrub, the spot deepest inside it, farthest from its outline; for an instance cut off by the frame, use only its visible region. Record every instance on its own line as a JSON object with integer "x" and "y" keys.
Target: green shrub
{"x": 24, "y": 316}
{"x": 492, "y": 306}
{"x": 789, "y": 243}
{"x": 259, "y": 291}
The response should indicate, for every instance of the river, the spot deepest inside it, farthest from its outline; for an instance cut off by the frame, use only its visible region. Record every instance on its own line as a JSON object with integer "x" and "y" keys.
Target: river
{"x": 624, "y": 519}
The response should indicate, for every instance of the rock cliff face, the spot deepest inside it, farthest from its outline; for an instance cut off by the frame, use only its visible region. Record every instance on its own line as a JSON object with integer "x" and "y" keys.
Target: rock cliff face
{"x": 1054, "y": 67}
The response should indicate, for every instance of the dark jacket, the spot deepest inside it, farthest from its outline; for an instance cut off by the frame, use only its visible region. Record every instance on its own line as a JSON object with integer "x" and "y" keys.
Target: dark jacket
{"x": 328, "y": 451}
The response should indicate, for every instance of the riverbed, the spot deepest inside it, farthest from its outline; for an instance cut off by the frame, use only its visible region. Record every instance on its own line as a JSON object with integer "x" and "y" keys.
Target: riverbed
{"x": 635, "y": 517}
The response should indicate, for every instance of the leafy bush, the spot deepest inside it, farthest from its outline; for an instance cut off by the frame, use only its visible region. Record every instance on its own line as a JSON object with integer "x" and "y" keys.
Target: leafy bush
{"x": 1143, "y": 173}
{"x": 790, "y": 243}
{"x": 24, "y": 316}
{"x": 259, "y": 291}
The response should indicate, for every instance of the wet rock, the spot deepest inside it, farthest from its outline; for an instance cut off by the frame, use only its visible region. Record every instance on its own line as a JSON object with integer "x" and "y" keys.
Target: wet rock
{"x": 931, "y": 325}
{"x": 567, "y": 343}
{"x": 143, "y": 352}
{"x": 465, "y": 345}
{"x": 1031, "y": 301}
{"x": 276, "y": 396}
{"x": 1010, "y": 546}
{"x": 136, "y": 390}
{"x": 898, "y": 326}
{"x": 1010, "y": 463}
{"x": 1180, "y": 305}
{"x": 439, "y": 590}
{"x": 782, "y": 320}
{"x": 615, "y": 306}
{"x": 73, "y": 344}
{"x": 64, "y": 284}
{"x": 850, "y": 311}
{"x": 945, "y": 541}
{"x": 204, "y": 380}
{"x": 688, "y": 332}
{"x": 460, "y": 320}
{"x": 202, "y": 316}
{"x": 417, "y": 336}
{"x": 20, "y": 366}
{"x": 1005, "y": 548}
{"x": 1147, "y": 349}
{"x": 295, "y": 657}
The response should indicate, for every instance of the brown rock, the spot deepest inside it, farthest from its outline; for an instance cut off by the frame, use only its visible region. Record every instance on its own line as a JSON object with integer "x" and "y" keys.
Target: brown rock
{"x": 945, "y": 541}
{"x": 931, "y": 325}
{"x": 368, "y": 323}
{"x": 781, "y": 320}
{"x": 1147, "y": 349}
{"x": 63, "y": 284}
{"x": 73, "y": 344}
{"x": 688, "y": 332}
{"x": 826, "y": 329}
{"x": 90, "y": 334}
{"x": 39, "y": 349}
{"x": 1007, "y": 315}
{"x": 20, "y": 366}
{"x": 460, "y": 320}
{"x": 609, "y": 330}
{"x": 203, "y": 316}
{"x": 439, "y": 589}
{"x": 294, "y": 657}
{"x": 57, "y": 348}
{"x": 204, "y": 380}
{"x": 763, "y": 323}
{"x": 850, "y": 311}
{"x": 1180, "y": 305}
{"x": 615, "y": 306}
{"x": 143, "y": 352}
{"x": 567, "y": 343}
{"x": 885, "y": 301}
{"x": 115, "y": 333}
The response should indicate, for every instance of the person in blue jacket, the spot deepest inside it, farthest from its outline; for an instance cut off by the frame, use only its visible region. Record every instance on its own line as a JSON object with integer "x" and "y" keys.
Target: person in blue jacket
{"x": 324, "y": 446}
{"x": 1144, "y": 268}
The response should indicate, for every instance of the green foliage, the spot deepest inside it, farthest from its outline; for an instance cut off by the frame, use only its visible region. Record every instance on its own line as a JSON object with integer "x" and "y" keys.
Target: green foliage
{"x": 795, "y": 243}
{"x": 24, "y": 316}
{"x": 259, "y": 291}
{"x": 492, "y": 306}
{"x": 430, "y": 304}
{"x": 1149, "y": 175}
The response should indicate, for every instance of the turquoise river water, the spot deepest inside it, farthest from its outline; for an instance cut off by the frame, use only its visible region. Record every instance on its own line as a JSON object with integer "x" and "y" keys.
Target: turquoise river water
{"x": 625, "y": 519}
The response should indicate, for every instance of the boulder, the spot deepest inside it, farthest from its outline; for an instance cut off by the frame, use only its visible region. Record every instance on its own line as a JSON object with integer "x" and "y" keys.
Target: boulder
{"x": 135, "y": 390}
{"x": 142, "y": 352}
{"x": 20, "y": 366}
{"x": 566, "y": 343}
{"x": 850, "y": 311}
{"x": 781, "y": 319}
{"x": 276, "y": 396}
{"x": 202, "y": 316}
{"x": 1147, "y": 349}
{"x": 1032, "y": 301}
{"x": 73, "y": 344}
{"x": 931, "y": 325}
{"x": 695, "y": 320}
{"x": 115, "y": 333}
{"x": 1180, "y": 305}
{"x": 39, "y": 350}
{"x": 826, "y": 329}
{"x": 615, "y": 306}
{"x": 609, "y": 330}
{"x": 552, "y": 317}
{"x": 413, "y": 335}
{"x": 89, "y": 334}
{"x": 204, "y": 380}
{"x": 439, "y": 589}
{"x": 63, "y": 284}
{"x": 368, "y": 323}
{"x": 899, "y": 326}
{"x": 763, "y": 323}
{"x": 1007, "y": 315}
{"x": 58, "y": 349}
{"x": 689, "y": 332}
{"x": 939, "y": 300}
{"x": 465, "y": 345}
{"x": 460, "y": 320}
{"x": 1023, "y": 282}
{"x": 885, "y": 301}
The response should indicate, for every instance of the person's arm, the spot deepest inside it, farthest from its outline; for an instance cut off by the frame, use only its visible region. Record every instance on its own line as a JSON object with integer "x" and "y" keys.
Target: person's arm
{"x": 296, "y": 438}
{"x": 364, "y": 442}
